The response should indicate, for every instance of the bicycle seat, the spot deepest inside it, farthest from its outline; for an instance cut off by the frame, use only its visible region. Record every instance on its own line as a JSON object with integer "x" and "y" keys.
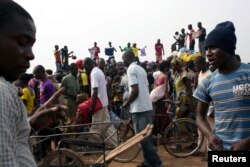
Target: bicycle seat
{"x": 171, "y": 102}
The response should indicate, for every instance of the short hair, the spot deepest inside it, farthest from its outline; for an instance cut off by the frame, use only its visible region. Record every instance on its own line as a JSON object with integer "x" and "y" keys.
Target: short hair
{"x": 49, "y": 71}
{"x": 88, "y": 60}
{"x": 190, "y": 64}
{"x": 200, "y": 59}
{"x": 8, "y": 10}
{"x": 164, "y": 64}
{"x": 39, "y": 68}
{"x": 25, "y": 77}
{"x": 72, "y": 66}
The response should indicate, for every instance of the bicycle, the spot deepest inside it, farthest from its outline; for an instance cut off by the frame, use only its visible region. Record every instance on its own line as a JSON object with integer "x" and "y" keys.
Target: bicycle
{"x": 180, "y": 138}
{"x": 72, "y": 155}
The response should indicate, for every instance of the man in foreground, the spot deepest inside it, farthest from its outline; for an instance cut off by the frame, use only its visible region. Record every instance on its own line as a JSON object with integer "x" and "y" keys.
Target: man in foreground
{"x": 17, "y": 36}
{"x": 228, "y": 89}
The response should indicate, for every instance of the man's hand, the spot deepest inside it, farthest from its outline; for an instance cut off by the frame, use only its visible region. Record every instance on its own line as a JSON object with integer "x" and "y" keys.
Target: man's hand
{"x": 125, "y": 104}
{"x": 240, "y": 145}
{"x": 45, "y": 118}
{"x": 215, "y": 143}
{"x": 48, "y": 113}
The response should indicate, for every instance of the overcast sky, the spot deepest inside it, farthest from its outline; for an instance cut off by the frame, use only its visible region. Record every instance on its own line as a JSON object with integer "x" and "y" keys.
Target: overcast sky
{"x": 79, "y": 23}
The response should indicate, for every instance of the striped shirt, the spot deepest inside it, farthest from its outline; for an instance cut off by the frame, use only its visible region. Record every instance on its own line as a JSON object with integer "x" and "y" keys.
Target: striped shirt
{"x": 14, "y": 129}
{"x": 230, "y": 94}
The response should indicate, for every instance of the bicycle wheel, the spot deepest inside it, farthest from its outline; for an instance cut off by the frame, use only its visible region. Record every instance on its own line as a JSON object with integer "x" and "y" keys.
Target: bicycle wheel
{"x": 63, "y": 157}
{"x": 180, "y": 139}
{"x": 125, "y": 132}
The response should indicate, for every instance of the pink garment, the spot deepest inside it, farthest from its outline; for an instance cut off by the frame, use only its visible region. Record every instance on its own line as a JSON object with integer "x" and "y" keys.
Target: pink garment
{"x": 160, "y": 81}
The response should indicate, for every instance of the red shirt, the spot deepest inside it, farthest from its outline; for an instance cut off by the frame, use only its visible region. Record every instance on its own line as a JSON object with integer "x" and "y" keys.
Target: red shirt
{"x": 158, "y": 49}
{"x": 96, "y": 52}
{"x": 57, "y": 56}
{"x": 190, "y": 36}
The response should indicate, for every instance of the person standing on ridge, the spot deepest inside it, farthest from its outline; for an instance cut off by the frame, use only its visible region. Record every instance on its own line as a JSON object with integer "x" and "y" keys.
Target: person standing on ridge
{"x": 110, "y": 51}
{"x": 202, "y": 37}
{"x": 191, "y": 39}
{"x": 159, "y": 51}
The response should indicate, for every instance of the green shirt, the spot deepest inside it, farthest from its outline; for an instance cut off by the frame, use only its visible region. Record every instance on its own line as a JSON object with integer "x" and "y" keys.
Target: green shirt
{"x": 71, "y": 85}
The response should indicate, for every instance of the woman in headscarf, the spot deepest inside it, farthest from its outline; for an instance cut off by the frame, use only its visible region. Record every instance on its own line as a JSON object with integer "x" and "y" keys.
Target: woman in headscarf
{"x": 158, "y": 94}
{"x": 182, "y": 87}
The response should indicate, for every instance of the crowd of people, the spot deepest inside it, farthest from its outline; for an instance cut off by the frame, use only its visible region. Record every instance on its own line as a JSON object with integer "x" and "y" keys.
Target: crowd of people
{"x": 89, "y": 90}
{"x": 182, "y": 42}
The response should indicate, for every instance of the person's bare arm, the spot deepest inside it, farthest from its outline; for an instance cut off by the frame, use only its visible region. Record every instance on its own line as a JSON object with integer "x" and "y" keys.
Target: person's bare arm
{"x": 214, "y": 142}
{"x": 243, "y": 145}
{"x": 93, "y": 100}
{"x": 121, "y": 49}
{"x": 201, "y": 118}
{"x": 134, "y": 94}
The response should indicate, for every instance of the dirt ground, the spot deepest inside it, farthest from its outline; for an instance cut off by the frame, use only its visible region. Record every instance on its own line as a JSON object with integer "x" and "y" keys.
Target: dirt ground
{"x": 168, "y": 160}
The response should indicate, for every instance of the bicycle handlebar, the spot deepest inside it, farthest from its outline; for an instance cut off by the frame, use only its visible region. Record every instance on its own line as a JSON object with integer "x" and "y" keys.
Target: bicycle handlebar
{"x": 171, "y": 102}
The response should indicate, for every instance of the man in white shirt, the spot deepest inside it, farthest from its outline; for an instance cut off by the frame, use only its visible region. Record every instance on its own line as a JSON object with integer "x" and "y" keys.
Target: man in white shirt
{"x": 98, "y": 92}
{"x": 140, "y": 107}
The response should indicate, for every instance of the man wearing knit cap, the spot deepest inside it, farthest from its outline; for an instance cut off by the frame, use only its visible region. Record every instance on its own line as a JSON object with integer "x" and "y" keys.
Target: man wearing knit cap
{"x": 228, "y": 88}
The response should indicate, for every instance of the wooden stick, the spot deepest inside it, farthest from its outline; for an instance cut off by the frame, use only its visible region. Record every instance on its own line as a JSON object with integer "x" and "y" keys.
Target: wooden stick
{"x": 128, "y": 144}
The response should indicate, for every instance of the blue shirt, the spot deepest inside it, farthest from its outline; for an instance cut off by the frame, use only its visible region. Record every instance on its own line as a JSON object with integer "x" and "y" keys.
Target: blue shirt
{"x": 230, "y": 94}
{"x": 109, "y": 51}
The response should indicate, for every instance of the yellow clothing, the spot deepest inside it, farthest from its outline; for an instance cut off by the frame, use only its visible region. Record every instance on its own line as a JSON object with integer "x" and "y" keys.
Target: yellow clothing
{"x": 187, "y": 57}
{"x": 183, "y": 108}
{"x": 135, "y": 50}
{"x": 29, "y": 96}
{"x": 84, "y": 78}
{"x": 178, "y": 82}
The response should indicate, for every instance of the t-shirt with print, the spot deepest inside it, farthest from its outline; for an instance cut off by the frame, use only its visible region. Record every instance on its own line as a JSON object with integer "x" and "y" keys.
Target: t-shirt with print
{"x": 230, "y": 94}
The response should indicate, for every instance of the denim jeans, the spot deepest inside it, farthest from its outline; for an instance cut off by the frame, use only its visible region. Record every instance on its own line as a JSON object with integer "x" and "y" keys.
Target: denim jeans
{"x": 58, "y": 66}
{"x": 140, "y": 121}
